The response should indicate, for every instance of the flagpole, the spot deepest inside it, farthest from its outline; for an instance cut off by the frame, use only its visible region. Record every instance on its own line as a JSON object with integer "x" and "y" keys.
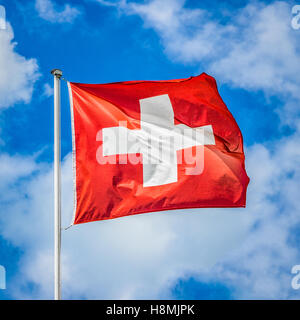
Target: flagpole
{"x": 57, "y": 185}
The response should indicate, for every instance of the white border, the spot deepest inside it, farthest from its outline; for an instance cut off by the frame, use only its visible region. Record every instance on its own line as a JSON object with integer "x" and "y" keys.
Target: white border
{"x": 73, "y": 154}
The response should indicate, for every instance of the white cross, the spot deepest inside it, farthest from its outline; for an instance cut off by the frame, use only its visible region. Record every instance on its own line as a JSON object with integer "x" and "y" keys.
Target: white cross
{"x": 158, "y": 140}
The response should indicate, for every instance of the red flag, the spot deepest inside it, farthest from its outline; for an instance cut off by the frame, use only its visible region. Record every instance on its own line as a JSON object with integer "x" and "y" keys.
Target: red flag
{"x": 144, "y": 146}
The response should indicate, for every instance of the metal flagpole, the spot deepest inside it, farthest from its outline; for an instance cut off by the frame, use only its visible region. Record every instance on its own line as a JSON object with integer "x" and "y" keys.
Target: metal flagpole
{"x": 57, "y": 185}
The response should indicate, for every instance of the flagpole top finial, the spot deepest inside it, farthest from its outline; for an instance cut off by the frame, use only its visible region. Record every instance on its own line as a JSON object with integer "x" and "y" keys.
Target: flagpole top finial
{"x": 57, "y": 73}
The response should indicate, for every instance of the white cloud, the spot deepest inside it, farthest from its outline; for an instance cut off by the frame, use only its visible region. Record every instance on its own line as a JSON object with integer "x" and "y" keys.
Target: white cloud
{"x": 265, "y": 55}
{"x": 17, "y": 74}
{"x": 256, "y": 49}
{"x": 48, "y": 10}
{"x": 186, "y": 33}
{"x": 13, "y": 168}
{"x": 48, "y": 90}
{"x": 143, "y": 256}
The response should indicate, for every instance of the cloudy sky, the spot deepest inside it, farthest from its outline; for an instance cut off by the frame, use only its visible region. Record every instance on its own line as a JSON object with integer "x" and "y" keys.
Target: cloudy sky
{"x": 253, "y": 52}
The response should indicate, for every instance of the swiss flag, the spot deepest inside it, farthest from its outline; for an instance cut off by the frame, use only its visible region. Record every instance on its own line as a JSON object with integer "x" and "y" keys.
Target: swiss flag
{"x": 144, "y": 146}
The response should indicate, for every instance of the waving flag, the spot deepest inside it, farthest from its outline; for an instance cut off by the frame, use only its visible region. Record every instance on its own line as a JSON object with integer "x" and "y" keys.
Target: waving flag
{"x": 144, "y": 146}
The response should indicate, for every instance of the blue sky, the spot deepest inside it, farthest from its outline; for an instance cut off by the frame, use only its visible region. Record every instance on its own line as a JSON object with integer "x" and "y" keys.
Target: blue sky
{"x": 254, "y": 54}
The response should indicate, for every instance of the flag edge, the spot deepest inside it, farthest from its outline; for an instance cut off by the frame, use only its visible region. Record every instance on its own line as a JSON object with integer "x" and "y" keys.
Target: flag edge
{"x": 73, "y": 154}
{"x": 175, "y": 208}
